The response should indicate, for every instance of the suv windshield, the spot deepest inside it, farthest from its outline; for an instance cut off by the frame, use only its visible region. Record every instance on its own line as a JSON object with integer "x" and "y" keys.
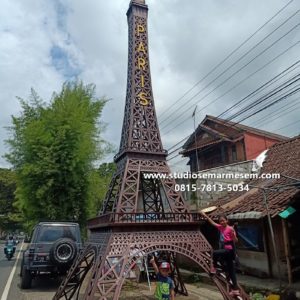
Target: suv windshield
{"x": 53, "y": 233}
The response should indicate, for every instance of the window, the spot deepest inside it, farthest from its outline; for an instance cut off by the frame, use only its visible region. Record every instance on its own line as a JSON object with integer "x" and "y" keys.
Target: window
{"x": 53, "y": 233}
{"x": 250, "y": 237}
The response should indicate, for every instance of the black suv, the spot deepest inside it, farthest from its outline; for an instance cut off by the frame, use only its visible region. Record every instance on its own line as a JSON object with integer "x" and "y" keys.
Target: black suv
{"x": 52, "y": 249}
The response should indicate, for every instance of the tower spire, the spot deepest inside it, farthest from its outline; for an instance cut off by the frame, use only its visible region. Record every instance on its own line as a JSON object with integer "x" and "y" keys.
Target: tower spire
{"x": 140, "y": 131}
{"x": 138, "y": 1}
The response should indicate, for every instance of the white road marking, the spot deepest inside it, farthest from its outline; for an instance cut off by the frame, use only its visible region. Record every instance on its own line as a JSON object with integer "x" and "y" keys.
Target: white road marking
{"x": 11, "y": 276}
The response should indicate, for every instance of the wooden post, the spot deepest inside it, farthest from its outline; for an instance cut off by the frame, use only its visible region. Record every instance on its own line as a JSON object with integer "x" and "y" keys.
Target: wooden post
{"x": 267, "y": 247}
{"x": 287, "y": 250}
{"x": 272, "y": 237}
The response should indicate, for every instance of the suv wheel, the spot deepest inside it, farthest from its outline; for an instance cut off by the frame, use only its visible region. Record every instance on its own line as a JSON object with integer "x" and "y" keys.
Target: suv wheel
{"x": 63, "y": 252}
{"x": 22, "y": 266}
{"x": 26, "y": 279}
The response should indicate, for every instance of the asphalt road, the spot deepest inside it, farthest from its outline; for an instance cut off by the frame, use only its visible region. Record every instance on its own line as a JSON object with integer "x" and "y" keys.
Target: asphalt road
{"x": 6, "y": 269}
{"x": 44, "y": 287}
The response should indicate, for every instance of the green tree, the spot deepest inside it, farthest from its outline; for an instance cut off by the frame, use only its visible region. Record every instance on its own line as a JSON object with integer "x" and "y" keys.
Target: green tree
{"x": 10, "y": 217}
{"x": 101, "y": 179}
{"x": 52, "y": 149}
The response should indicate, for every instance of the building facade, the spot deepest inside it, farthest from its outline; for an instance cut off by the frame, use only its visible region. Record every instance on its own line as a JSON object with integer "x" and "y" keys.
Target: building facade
{"x": 217, "y": 142}
{"x": 271, "y": 201}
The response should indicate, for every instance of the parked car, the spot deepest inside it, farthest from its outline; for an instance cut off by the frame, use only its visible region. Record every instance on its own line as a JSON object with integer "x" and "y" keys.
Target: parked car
{"x": 52, "y": 249}
{"x": 26, "y": 238}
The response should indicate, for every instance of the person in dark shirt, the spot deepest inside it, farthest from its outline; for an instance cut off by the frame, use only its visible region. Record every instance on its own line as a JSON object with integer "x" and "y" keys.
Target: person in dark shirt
{"x": 165, "y": 285}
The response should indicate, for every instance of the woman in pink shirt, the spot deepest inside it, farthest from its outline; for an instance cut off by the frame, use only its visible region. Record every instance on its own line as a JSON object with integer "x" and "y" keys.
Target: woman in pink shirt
{"x": 227, "y": 252}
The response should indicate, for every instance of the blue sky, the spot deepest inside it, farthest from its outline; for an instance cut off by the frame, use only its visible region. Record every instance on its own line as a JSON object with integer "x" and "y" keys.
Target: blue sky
{"x": 44, "y": 43}
{"x": 63, "y": 63}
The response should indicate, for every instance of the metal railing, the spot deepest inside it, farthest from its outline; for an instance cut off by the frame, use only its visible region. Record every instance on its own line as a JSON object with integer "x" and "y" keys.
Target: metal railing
{"x": 143, "y": 218}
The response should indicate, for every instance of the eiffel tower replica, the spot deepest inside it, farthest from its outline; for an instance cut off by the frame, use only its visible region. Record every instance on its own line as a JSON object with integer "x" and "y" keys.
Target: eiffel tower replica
{"x": 141, "y": 214}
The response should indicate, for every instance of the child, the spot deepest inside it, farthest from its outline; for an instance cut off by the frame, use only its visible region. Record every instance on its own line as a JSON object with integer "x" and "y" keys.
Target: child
{"x": 227, "y": 251}
{"x": 165, "y": 286}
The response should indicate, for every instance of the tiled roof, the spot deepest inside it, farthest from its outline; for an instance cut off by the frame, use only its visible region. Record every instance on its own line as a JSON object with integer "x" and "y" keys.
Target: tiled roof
{"x": 246, "y": 128}
{"x": 229, "y": 130}
{"x": 282, "y": 158}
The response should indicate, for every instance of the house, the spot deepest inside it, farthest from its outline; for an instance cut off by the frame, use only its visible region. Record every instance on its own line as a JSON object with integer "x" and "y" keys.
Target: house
{"x": 223, "y": 148}
{"x": 217, "y": 142}
{"x": 269, "y": 199}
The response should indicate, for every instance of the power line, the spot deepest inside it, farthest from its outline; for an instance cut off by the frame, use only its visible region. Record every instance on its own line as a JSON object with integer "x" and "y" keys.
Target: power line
{"x": 277, "y": 113}
{"x": 176, "y": 149}
{"x": 288, "y": 125}
{"x": 207, "y": 148}
{"x": 262, "y": 87}
{"x": 179, "y": 142}
{"x": 267, "y": 102}
{"x": 272, "y": 100}
{"x": 251, "y": 49}
{"x": 295, "y": 133}
{"x": 232, "y": 75}
{"x": 269, "y": 95}
{"x": 239, "y": 83}
{"x": 229, "y": 55}
{"x": 266, "y": 119}
{"x": 274, "y": 79}
{"x": 178, "y": 162}
{"x": 281, "y": 98}
{"x": 273, "y": 103}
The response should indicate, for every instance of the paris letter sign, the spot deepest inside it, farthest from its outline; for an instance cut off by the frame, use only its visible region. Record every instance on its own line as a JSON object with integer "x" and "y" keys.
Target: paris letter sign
{"x": 141, "y": 63}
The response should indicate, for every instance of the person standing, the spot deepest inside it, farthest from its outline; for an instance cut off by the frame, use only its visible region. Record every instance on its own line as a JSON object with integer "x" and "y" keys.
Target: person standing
{"x": 226, "y": 253}
{"x": 165, "y": 285}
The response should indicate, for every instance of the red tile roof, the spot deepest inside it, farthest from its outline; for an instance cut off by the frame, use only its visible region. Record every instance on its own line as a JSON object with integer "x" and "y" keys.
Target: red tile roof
{"x": 227, "y": 131}
{"x": 242, "y": 127}
{"x": 282, "y": 158}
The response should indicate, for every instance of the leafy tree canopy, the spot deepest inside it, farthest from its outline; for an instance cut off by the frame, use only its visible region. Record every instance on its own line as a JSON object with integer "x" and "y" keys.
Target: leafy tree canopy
{"x": 101, "y": 178}
{"x": 52, "y": 149}
{"x": 9, "y": 214}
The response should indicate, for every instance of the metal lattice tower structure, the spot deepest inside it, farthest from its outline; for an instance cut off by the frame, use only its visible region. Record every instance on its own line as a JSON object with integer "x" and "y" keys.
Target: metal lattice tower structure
{"x": 141, "y": 214}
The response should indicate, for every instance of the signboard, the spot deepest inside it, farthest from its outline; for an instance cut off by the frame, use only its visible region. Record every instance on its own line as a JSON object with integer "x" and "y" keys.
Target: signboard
{"x": 287, "y": 212}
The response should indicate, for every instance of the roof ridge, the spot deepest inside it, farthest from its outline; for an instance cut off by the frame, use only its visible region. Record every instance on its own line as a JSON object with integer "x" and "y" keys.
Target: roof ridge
{"x": 290, "y": 140}
{"x": 244, "y": 127}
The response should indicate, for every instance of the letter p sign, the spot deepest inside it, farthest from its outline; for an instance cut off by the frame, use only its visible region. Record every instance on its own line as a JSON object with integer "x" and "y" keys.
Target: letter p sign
{"x": 140, "y": 29}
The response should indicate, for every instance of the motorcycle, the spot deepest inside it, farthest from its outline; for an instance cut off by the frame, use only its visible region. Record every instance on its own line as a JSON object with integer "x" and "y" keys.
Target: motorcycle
{"x": 9, "y": 251}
